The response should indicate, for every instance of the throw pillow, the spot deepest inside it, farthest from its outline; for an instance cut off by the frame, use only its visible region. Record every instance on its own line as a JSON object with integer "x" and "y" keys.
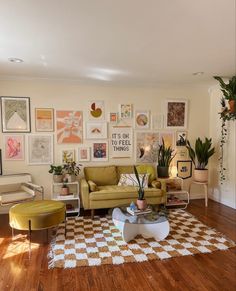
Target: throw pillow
{"x": 92, "y": 186}
{"x": 156, "y": 184}
{"x": 131, "y": 180}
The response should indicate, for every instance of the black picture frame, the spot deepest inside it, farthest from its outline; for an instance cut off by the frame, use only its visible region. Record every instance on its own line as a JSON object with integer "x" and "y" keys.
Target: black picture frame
{"x": 184, "y": 169}
{"x": 15, "y": 110}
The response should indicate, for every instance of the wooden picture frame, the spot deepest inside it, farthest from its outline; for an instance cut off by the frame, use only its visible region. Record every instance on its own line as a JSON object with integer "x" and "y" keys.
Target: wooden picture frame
{"x": 15, "y": 113}
{"x": 44, "y": 119}
{"x": 176, "y": 114}
{"x": 184, "y": 169}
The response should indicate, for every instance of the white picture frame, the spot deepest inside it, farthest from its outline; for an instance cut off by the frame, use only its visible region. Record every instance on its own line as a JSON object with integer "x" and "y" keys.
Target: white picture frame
{"x": 96, "y": 130}
{"x": 125, "y": 111}
{"x": 147, "y": 145}
{"x": 67, "y": 155}
{"x": 40, "y": 149}
{"x": 169, "y": 138}
{"x": 157, "y": 121}
{"x": 142, "y": 119}
{"x": 176, "y": 113}
{"x": 96, "y": 110}
{"x": 121, "y": 142}
{"x": 100, "y": 151}
{"x": 84, "y": 154}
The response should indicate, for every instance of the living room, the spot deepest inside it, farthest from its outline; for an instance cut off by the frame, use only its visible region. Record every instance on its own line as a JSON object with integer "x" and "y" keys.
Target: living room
{"x": 127, "y": 63}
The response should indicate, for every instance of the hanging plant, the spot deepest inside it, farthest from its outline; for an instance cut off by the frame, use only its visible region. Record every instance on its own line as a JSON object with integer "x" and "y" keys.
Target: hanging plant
{"x": 228, "y": 112}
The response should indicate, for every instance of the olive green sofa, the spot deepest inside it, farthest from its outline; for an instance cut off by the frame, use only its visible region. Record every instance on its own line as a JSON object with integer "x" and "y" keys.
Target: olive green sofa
{"x": 105, "y": 192}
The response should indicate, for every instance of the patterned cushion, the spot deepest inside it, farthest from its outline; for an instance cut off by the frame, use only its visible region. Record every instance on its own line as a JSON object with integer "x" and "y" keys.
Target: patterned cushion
{"x": 130, "y": 180}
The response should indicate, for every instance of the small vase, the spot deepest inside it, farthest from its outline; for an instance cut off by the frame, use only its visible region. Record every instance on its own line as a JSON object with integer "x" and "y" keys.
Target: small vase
{"x": 65, "y": 191}
{"x": 141, "y": 204}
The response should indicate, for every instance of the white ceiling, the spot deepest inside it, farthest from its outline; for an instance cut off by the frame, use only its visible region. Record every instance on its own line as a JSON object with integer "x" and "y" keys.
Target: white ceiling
{"x": 118, "y": 42}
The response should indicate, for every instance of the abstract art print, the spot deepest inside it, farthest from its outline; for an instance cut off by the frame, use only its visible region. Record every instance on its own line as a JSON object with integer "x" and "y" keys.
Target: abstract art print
{"x": 142, "y": 119}
{"x": 14, "y": 147}
{"x": 168, "y": 138}
{"x": 67, "y": 156}
{"x": 69, "y": 126}
{"x": 15, "y": 114}
{"x": 96, "y": 130}
{"x": 113, "y": 117}
{"x": 40, "y": 149}
{"x": 181, "y": 138}
{"x": 100, "y": 151}
{"x": 44, "y": 119}
{"x": 147, "y": 144}
{"x": 126, "y": 111}
{"x": 96, "y": 110}
{"x": 176, "y": 114}
{"x": 84, "y": 154}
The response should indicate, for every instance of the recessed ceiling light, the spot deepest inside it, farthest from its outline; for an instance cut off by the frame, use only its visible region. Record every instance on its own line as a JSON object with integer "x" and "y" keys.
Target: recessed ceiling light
{"x": 15, "y": 60}
{"x": 198, "y": 73}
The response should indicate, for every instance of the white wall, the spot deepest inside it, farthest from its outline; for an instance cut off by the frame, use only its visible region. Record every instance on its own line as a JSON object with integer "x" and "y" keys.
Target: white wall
{"x": 73, "y": 96}
{"x": 225, "y": 192}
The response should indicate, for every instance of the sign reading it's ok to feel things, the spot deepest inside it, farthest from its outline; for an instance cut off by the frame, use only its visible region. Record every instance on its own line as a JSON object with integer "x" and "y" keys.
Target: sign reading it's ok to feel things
{"x": 121, "y": 142}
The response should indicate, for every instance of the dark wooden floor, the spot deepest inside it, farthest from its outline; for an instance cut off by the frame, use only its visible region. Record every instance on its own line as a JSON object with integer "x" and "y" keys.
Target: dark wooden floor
{"x": 215, "y": 271}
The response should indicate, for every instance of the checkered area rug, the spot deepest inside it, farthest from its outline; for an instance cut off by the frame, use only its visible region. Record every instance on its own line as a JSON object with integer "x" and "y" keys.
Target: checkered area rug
{"x": 97, "y": 242}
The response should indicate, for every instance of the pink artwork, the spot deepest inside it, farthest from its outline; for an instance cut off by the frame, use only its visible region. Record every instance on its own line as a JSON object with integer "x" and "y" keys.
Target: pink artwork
{"x": 69, "y": 126}
{"x": 14, "y": 147}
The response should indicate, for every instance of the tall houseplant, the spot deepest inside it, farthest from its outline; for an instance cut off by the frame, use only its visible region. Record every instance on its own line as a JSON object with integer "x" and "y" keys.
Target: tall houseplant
{"x": 226, "y": 114}
{"x": 200, "y": 156}
{"x": 165, "y": 156}
{"x": 141, "y": 202}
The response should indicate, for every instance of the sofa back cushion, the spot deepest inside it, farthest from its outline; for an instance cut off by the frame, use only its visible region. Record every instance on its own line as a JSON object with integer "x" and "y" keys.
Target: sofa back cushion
{"x": 101, "y": 176}
{"x": 124, "y": 170}
{"x": 147, "y": 169}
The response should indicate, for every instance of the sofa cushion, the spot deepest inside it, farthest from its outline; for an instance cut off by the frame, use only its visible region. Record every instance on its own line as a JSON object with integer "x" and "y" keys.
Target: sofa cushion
{"x": 156, "y": 184}
{"x": 92, "y": 186}
{"x": 114, "y": 192}
{"x": 101, "y": 175}
{"x": 124, "y": 170}
{"x": 131, "y": 180}
{"x": 149, "y": 169}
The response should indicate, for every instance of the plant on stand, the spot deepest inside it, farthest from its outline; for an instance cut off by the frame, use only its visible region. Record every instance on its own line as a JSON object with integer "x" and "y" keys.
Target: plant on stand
{"x": 65, "y": 189}
{"x": 57, "y": 172}
{"x": 227, "y": 113}
{"x": 200, "y": 156}
{"x": 72, "y": 170}
{"x": 141, "y": 201}
{"x": 165, "y": 156}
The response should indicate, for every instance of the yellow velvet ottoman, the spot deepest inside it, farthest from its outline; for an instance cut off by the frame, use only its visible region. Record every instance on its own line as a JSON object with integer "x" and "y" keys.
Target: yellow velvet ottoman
{"x": 36, "y": 215}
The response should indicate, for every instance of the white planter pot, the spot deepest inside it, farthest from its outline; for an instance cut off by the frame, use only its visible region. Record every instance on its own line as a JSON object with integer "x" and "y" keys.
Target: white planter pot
{"x": 200, "y": 175}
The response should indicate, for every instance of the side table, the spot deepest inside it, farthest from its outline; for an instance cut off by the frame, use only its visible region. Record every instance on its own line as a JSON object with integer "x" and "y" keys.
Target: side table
{"x": 205, "y": 186}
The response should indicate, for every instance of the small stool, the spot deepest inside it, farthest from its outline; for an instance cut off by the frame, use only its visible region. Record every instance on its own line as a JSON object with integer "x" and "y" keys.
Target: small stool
{"x": 205, "y": 185}
{"x": 36, "y": 215}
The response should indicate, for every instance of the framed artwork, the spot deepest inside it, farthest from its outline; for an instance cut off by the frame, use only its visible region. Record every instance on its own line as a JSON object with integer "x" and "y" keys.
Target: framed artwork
{"x": 113, "y": 117}
{"x": 100, "y": 151}
{"x": 15, "y": 114}
{"x": 0, "y": 162}
{"x": 40, "y": 149}
{"x": 96, "y": 110}
{"x": 14, "y": 147}
{"x": 181, "y": 138}
{"x": 44, "y": 119}
{"x": 121, "y": 142}
{"x": 184, "y": 169}
{"x": 142, "y": 119}
{"x": 126, "y": 111}
{"x": 157, "y": 121}
{"x": 84, "y": 154}
{"x": 181, "y": 153}
{"x": 147, "y": 144}
{"x": 67, "y": 156}
{"x": 176, "y": 114}
{"x": 96, "y": 130}
{"x": 168, "y": 138}
{"x": 69, "y": 126}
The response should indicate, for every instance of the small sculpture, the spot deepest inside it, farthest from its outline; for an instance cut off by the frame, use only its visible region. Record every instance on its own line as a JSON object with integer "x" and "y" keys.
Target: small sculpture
{"x": 133, "y": 206}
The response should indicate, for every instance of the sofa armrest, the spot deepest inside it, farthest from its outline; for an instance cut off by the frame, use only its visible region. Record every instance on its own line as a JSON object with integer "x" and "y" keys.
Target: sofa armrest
{"x": 32, "y": 189}
{"x": 163, "y": 184}
{"x": 84, "y": 190}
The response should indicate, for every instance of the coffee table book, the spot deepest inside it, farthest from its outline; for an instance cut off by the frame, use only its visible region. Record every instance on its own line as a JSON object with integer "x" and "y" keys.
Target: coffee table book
{"x": 138, "y": 212}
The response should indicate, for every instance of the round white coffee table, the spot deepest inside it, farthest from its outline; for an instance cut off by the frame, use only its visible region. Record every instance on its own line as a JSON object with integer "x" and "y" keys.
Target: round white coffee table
{"x": 148, "y": 225}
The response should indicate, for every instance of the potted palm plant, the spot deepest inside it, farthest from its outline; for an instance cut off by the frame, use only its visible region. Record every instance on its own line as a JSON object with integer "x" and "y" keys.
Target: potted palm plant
{"x": 165, "y": 156}
{"x": 141, "y": 201}
{"x": 57, "y": 172}
{"x": 200, "y": 156}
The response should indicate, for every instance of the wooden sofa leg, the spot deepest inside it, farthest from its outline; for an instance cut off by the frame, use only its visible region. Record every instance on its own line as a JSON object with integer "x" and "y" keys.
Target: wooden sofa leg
{"x": 92, "y": 213}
